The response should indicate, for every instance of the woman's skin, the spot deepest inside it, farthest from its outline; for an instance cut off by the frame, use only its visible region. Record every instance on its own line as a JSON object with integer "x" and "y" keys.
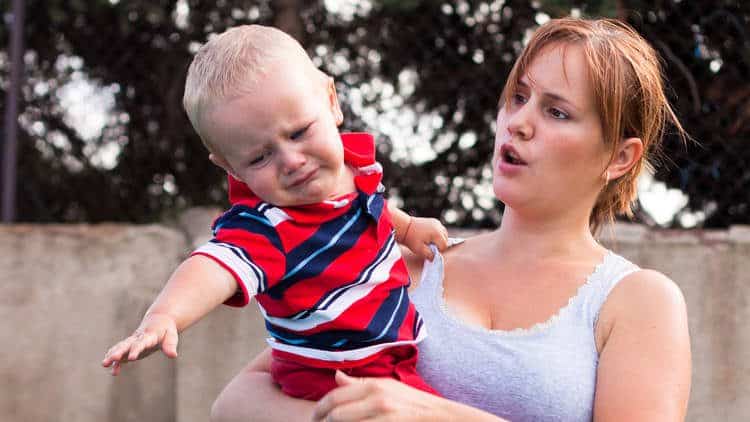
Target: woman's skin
{"x": 523, "y": 273}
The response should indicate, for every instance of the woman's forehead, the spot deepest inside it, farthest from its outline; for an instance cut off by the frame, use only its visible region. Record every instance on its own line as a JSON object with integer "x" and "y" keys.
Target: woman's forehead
{"x": 561, "y": 69}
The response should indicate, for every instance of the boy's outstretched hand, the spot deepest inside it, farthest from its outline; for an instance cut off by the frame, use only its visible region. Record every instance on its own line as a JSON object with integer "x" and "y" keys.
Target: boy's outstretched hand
{"x": 420, "y": 232}
{"x": 156, "y": 331}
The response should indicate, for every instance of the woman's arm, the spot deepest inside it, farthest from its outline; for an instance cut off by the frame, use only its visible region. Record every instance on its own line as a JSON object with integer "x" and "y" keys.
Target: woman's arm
{"x": 253, "y": 396}
{"x": 385, "y": 399}
{"x": 644, "y": 366}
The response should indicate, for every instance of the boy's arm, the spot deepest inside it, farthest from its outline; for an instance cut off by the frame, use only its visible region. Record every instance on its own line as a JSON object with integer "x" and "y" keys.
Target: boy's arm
{"x": 418, "y": 233}
{"x": 196, "y": 287}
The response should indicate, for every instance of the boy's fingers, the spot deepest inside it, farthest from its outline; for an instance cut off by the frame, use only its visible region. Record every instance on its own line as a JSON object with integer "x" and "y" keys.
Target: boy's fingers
{"x": 115, "y": 352}
{"x": 142, "y": 341}
{"x": 169, "y": 345}
{"x": 426, "y": 252}
{"x": 441, "y": 243}
{"x": 116, "y": 368}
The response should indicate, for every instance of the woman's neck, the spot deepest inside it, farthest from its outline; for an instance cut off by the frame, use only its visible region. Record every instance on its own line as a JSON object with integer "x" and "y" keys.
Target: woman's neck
{"x": 561, "y": 236}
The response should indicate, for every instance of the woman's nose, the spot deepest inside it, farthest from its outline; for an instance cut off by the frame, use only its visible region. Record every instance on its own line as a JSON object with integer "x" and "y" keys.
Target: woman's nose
{"x": 520, "y": 124}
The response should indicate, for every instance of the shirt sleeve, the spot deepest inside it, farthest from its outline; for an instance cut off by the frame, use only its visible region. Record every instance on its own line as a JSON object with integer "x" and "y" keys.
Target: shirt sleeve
{"x": 246, "y": 245}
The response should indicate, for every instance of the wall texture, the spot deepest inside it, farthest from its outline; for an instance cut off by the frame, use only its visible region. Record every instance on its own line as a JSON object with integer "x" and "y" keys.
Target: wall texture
{"x": 68, "y": 292}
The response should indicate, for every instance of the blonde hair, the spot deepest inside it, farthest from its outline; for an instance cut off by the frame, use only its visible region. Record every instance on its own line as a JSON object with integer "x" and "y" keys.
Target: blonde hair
{"x": 229, "y": 64}
{"x": 627, "y": 82}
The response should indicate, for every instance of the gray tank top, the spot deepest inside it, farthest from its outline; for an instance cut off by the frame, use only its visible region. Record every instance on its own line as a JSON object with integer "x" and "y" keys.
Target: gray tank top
{"x": 544, "y": 373}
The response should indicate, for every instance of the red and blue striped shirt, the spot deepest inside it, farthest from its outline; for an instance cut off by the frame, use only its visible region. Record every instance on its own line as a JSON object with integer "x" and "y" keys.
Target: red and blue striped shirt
{"x": 328, "y": 277}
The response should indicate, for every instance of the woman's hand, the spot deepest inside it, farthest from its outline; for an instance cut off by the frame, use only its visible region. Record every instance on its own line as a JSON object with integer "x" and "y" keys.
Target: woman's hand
{"x": 375, "y": 399}
{"x": 385, "y": 399}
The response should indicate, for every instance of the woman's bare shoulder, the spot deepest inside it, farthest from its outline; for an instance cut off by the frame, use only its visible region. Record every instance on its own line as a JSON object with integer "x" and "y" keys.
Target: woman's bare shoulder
{"x": 657, "y": 298}
{"x": 470, "y": 248}
{"x": 645, "y": 286}
{"x": 462, "y": 251}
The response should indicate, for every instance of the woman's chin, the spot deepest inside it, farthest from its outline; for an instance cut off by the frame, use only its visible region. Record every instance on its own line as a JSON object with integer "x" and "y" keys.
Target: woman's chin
{"x": 506, "y": 194}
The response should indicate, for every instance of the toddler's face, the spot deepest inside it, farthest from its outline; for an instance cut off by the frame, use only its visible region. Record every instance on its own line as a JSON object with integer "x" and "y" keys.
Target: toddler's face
{"x": 282, "y": 138}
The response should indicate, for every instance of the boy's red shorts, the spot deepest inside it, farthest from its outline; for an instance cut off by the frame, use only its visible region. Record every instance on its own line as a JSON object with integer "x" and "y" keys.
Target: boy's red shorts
{"x": 311, "y": 383}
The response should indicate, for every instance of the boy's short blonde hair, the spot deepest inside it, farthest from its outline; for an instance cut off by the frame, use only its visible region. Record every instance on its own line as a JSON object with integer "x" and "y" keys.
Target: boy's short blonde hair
{"x": 229, "y": 64}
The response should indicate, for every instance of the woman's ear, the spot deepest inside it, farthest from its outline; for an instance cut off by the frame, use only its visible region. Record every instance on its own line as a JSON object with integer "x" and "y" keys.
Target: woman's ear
{"x": 629, "y": 152}
{"x": 333, "y": 100}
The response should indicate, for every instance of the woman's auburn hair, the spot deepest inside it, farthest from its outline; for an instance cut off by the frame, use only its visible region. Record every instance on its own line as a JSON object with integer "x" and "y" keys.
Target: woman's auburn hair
{"x": 627, "y": 82}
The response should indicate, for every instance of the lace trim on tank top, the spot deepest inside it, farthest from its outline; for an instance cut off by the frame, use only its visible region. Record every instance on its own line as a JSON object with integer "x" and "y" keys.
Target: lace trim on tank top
{"x": 538, "y": 327}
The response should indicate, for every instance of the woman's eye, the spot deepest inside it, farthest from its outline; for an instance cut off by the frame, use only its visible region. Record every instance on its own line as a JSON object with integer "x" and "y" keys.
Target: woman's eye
{"x": 558, "y": 114}
{"x": 519, "y": 99}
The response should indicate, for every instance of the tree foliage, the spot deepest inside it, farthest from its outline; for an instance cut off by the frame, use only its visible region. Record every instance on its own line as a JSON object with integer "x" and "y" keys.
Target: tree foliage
{"x": 444, "y": 61}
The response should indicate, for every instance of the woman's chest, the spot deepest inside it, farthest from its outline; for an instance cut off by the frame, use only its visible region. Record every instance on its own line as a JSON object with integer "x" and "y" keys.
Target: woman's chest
{"x": 545, "y": 375}
{"x": 512, "y": 299}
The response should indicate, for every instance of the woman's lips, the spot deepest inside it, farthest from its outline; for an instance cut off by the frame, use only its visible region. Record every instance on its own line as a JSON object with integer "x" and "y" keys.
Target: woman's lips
{"x": 509, "y": 161}
{"x": 510, "y": 155}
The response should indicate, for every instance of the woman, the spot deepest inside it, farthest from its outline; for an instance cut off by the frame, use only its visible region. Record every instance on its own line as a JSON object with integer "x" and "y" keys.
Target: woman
{"x": 537, "y": 320}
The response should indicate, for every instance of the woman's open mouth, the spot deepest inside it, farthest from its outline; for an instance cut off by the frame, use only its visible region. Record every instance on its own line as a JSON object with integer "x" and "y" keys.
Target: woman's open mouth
{"x": 509, "y": 155}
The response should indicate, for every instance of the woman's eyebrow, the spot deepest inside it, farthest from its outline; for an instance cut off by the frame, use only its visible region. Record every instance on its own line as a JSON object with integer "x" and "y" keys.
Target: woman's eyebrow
{"x": 553, "y": 96}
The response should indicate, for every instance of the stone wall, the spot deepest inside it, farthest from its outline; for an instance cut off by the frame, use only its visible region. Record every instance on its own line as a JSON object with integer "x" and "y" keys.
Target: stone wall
{"x": 67, "y": 292}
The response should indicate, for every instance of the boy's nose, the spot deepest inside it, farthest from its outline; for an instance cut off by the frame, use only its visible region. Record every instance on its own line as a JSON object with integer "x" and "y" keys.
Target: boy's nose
{"x": 292, "y": 160}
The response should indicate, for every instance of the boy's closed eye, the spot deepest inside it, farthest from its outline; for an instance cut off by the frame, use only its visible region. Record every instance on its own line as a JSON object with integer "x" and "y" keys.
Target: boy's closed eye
{"x": 300, "y": 132}
{"x": 259, "y": 159}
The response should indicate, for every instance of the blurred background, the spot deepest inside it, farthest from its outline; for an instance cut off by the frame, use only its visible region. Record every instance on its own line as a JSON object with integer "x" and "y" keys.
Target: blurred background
{"x": 109, "y": 188}
{"x": 102, "y": 135}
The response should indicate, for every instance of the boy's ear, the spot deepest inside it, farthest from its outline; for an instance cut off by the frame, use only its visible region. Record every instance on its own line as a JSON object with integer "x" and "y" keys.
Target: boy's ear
{"x": 629, "y": 151}
{"x": 221, "y": 162}
{"x": 333, "y": 100}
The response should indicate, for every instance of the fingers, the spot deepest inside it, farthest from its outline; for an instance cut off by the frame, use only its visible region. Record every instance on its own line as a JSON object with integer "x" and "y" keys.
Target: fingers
{"x": 346, "y": 392}
{"x": 169, "y": 344}
{"x": 142, "y": 342}
{"x": 441, "y": 239}
{"x": 425, "y": 252}
{"x": 362, "y": 410}
{"x": 438, "y": 234}
{"x": 343, "y": 379}
{"x": 116, "y": 367}
{"x": 356, "y": 399}
{"x": 155, "y": 330}
{"x": 115, "y": 354}
{"x": 139, "y": 345}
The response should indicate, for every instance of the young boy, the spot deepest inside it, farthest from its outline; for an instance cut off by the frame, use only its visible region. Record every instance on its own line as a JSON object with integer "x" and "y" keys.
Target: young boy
{"x": 308, "y": 235}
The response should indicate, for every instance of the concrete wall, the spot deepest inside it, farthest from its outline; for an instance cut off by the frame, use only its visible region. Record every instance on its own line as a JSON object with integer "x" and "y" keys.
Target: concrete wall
{"x": 68, "y": 291}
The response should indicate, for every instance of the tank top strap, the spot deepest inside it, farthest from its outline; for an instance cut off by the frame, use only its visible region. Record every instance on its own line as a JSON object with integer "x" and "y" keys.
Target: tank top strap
{"x": 607, "y": 275}
{"x": 431, "y": 280}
